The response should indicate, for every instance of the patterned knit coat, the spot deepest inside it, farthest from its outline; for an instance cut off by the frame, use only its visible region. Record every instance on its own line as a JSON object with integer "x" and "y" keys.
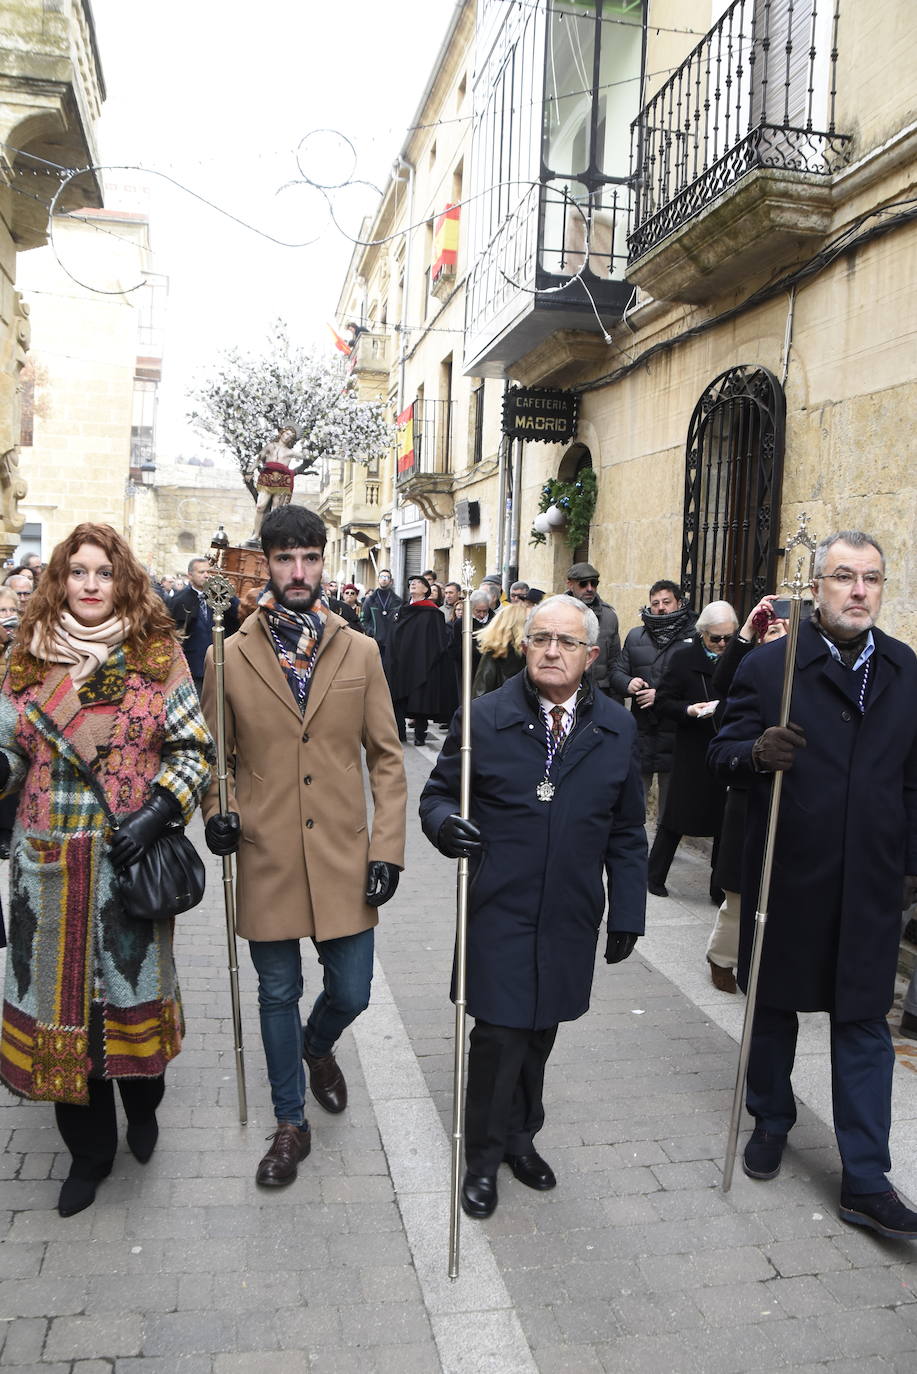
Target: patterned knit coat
{"x": 90, "y": 991}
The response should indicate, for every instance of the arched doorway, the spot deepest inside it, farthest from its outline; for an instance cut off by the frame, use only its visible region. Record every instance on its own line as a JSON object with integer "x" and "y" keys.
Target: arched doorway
{"x": 733, "y": 474}
{"x": 576, "y": 458}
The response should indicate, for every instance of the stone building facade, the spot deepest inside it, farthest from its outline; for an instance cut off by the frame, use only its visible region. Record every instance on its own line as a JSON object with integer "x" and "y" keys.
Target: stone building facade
{"x": 754, "y": 274}
{"x": 51, "y": 90}
{"x": 428, "y": 506}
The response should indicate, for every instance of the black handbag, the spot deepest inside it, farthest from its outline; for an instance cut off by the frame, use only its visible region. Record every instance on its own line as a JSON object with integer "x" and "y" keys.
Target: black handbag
{"x": 165, "y": 881}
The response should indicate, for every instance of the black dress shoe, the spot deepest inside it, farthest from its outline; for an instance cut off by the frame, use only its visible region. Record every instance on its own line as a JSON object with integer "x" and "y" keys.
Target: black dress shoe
{"x": 763, "y": 1154}
{"x": 479, "y": 1195}
{"x": 76, "y": 1195}
{"x": 881, "y": 1212}
{"x": 657, "y": 889}
{"x": 329, "y": 1087}
{"x": 532, "y": 1170}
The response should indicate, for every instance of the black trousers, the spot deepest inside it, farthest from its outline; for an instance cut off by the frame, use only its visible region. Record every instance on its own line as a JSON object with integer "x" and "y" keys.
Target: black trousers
{"x": 91, "y": 1133}
{"x": 503, "y": 1105}
{"x": 662, "y": 853}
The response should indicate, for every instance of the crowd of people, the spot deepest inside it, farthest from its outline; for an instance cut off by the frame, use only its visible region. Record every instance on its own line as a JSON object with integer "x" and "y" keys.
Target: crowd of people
{"x": 108, "y": 708}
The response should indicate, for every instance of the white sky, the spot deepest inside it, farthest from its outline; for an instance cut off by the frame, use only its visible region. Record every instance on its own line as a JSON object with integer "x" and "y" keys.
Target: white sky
{"x": 218, "y": 94}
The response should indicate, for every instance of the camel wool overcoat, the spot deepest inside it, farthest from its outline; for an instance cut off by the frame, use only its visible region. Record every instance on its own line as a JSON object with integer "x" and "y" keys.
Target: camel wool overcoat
{"x": 296, "y": 781}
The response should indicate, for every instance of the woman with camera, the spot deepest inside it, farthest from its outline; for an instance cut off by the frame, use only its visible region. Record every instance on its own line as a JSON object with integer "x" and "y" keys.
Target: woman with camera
{"x": 97, "y": 696}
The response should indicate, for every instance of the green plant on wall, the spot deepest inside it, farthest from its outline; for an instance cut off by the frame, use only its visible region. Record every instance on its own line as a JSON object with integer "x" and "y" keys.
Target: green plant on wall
{"x": 577, "y": 501}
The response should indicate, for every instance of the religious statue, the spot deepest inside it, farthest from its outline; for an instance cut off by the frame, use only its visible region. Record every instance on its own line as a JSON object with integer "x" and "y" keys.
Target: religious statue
{"x": 275, "y": 475}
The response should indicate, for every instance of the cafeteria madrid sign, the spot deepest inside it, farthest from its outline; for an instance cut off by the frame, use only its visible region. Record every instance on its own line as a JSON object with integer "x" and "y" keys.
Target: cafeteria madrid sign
{"x": 547, "y": 416}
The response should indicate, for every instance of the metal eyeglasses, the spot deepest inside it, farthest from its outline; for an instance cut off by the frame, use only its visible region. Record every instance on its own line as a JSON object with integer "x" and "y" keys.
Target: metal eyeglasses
{"x": 542, "y": 638}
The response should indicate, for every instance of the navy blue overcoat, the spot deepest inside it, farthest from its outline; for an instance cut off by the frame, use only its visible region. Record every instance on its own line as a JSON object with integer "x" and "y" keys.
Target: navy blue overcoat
{"x": 847, "y": 832}
{"x": 537, "y": 895}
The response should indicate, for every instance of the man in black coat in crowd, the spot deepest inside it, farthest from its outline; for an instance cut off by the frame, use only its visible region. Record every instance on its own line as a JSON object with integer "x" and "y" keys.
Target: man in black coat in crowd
{"x": 556, "y": 807}
{"x": 666, "y": 622}
{"x": 583, "y": 583}
{"x": 846, "y": 845}
{"x": 194, "y": 618}
{"x": 379, "y": 611}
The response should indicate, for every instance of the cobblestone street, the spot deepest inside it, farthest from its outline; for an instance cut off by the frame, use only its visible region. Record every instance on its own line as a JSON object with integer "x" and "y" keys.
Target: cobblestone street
{"x": 636, "y": 1262}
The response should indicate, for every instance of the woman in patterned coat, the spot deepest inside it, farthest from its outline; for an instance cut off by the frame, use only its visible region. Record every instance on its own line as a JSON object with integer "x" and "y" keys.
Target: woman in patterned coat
{"x": 96, "y": 681}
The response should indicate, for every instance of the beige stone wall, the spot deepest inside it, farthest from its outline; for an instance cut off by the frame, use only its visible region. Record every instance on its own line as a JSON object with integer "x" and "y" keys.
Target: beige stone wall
{"x": 84, "y": 348}
{"x": 170, "y": 525}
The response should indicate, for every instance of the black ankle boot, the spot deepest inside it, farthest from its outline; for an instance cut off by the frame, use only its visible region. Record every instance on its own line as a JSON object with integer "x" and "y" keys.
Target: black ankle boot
{"x": 142, "y": 1137}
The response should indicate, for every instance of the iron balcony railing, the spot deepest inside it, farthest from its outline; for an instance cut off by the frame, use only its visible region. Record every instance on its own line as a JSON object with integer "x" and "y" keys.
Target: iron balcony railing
{"x": 758, "y": 91}
{"x": 432, "y": 434}
{"x": 542, "y": 244}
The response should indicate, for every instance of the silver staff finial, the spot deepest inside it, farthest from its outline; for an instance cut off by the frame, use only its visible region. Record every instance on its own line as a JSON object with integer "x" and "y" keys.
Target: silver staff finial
{"x": 801, "y": 579}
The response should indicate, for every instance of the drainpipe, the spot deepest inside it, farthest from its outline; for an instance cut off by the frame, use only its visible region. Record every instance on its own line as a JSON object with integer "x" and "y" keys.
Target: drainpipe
{"x": 513, "y": 571}
{"x": 401, "y": 165}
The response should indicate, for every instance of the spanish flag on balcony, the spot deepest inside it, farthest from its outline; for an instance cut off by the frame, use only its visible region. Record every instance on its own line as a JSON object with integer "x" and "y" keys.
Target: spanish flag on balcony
{"x": 405, "y": 427}
{"x": 445, "y": 243}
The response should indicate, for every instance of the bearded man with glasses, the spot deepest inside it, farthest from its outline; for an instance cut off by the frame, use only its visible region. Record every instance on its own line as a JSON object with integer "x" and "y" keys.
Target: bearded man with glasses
{"x": 845, "y": 865}
{"x": 556, "y": 807}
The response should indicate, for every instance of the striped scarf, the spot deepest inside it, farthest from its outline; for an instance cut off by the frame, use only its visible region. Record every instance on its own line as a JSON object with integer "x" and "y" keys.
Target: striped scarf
{"x": 296, "y": 638}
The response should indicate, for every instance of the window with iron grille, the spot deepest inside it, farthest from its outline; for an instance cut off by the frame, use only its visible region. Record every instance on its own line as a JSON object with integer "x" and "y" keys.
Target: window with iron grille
{"x": 733, "y": 473}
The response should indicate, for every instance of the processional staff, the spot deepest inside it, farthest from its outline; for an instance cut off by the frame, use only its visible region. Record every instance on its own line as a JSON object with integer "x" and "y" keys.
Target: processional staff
{"x": 461, "y": 932}
{"x": 218, "y": 593}
{"x": 796, "y": 585}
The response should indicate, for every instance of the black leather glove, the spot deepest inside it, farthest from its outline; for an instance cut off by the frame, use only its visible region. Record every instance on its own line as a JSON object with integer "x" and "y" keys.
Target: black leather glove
{"x": 775, "y": 750}
{"x": 221, "y": 833}
{"x": 620, "y": 944}
{"x": 909, "y": 892}
{"x": 458, "y": 838}
{"x": 381, "y": 882}
{"x": 142, "y": 828}
{"x": 4, "y": 770}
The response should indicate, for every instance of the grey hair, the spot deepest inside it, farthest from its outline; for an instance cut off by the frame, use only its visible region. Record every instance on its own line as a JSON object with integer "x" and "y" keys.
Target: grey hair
{"x": 201, "y": 558}
{"x": 590, "y": 619}
{"x": 481, "y": 597}
{"x": 716, "y": 613}
{"x": 857, "y": 539}
{"x": 519, "y": 587}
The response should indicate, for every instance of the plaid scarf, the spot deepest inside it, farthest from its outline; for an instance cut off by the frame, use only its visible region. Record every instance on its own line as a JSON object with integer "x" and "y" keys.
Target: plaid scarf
{"x": 296, "y": 638}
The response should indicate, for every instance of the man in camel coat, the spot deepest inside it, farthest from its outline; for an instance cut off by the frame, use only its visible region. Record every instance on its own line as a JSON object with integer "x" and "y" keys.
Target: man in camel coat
{"x": 305, "y": 697}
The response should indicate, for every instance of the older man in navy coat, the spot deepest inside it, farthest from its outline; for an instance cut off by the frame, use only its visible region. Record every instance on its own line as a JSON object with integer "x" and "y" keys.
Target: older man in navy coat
{"x": 846, "y": 842}
{"x": 556, "y": 804}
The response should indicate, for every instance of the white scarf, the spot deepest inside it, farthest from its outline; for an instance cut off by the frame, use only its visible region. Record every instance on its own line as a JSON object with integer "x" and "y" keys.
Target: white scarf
{"x": 84, "y": 647}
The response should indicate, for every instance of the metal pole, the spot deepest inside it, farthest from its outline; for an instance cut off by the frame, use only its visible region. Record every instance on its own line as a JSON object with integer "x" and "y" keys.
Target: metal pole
{"x": 219, "y": 593}
{"x": 797, "y": 586}
{"x": 461, "y": 935}
{"x": 513, "y": 571}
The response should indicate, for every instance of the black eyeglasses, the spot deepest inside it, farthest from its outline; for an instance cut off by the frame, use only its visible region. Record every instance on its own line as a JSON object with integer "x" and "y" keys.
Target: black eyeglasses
{"x": 719, "y": 639}
{"x": 587, "y": 581}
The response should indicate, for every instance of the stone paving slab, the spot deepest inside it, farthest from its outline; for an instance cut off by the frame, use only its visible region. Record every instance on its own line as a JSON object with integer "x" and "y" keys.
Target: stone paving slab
{"x": 637, "y": 1261}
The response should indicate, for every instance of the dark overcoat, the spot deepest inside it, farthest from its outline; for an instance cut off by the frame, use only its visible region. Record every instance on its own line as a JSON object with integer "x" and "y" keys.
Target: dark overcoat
{"x": 419, "y": 664}
{"x": 847, "y": 833}
{"x": 694, "y": 805}
{"x": 536, "y": 896}
{"x": 640, "y": 657}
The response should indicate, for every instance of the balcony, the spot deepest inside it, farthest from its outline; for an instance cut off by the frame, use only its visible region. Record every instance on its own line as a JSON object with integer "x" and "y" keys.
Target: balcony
{"x": 53, "y": 91}
{"x": 555, "y": 93}
{"x": 330, "y": 498}
{"x": 732, "y": 157}
{"x": 370, "y": 354}
{"x": 360, "y": 505}
{"x": 424, "y": 467}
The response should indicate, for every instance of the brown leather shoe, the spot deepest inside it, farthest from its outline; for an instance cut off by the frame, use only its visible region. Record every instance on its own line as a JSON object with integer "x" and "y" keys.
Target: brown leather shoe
{"x": 722, "y": 978}
{"x": 289, "y": 1147}
{"x": 326, "y": 1081}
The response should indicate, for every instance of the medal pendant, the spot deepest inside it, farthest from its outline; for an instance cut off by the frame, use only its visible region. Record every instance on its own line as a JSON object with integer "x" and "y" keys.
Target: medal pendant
{"x": 545, "y": 790}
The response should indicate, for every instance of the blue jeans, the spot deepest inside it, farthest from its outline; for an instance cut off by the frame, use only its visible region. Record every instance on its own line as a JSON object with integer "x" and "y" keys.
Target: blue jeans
{"x": 348, "y": 972}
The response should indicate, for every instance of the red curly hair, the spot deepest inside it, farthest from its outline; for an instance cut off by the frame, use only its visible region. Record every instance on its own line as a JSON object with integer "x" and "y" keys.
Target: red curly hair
{"x": 134, "y": 598}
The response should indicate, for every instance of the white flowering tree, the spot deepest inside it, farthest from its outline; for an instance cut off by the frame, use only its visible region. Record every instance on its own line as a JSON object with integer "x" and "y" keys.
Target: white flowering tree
{"x": 249, "y": 396}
